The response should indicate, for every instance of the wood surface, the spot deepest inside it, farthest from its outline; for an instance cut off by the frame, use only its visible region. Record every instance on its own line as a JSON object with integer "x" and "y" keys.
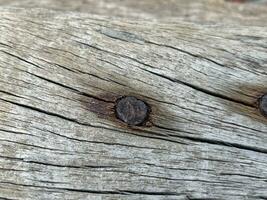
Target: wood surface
{"x": 61, "y": 73}
{"x": 199, "y": 11}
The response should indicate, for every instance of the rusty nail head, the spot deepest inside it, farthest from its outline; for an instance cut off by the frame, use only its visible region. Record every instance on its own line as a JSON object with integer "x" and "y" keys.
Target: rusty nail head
{"x": 263, "y": 105}
{"x": 132, "y": 111}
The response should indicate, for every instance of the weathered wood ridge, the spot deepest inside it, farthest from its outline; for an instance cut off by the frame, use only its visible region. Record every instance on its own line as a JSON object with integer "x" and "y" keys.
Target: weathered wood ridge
{"x": 61, "y": 73}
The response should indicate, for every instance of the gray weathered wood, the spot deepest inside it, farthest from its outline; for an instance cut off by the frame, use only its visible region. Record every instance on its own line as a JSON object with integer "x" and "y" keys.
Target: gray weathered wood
{"x": 207, "y": 11}
{"x": 60, "y": 74}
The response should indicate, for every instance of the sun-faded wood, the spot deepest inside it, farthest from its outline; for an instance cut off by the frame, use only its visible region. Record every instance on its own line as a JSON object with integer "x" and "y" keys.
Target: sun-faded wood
{"x": 208, "y": 11}
{"x": 60, "y": 74}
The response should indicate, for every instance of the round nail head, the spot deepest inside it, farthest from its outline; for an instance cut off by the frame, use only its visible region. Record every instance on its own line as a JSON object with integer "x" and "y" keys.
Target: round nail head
{"x": 263, "y": 105}
{"x": 132, "y": 111}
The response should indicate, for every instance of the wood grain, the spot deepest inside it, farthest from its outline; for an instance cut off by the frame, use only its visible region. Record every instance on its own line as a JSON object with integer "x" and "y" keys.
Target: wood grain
{"x": 202, "y": 12}
{"x": 61, "y": 73}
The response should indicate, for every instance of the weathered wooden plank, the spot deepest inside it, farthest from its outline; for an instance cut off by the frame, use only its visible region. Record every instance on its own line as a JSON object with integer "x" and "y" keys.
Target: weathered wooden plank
{"x": 60, "y": 74}
{"x": 203, "y": 12}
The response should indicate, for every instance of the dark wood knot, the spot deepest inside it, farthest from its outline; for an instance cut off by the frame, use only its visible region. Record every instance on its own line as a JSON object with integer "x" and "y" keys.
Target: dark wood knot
{"x": 132, "y": 111}
{"x": 263, "y": 105}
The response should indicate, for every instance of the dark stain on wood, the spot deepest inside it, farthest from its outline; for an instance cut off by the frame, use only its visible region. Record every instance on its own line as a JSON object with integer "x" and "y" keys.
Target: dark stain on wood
{"x": 132, "y": 111}
{"x": 262, "y": 104}
{"x": 104, "y": 107}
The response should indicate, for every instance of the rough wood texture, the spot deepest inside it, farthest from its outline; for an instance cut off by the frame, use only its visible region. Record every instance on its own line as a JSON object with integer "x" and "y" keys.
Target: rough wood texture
{"x": 60, "y": 74}
{"x": 202, "y": 11}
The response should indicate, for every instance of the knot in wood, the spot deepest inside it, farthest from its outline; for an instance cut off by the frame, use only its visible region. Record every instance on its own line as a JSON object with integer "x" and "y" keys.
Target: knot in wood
{"x": 263, "y": 105}
{"x": 132, "y": 111}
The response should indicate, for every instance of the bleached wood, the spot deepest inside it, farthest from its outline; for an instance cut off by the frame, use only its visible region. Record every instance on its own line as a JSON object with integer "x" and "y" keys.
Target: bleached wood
{"x": 201, "y": 11}
{"x": 60, "y": 74}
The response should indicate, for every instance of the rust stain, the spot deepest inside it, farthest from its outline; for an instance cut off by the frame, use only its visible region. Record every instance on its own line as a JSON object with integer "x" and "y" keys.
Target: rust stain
{"x": 104, "y": 107}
